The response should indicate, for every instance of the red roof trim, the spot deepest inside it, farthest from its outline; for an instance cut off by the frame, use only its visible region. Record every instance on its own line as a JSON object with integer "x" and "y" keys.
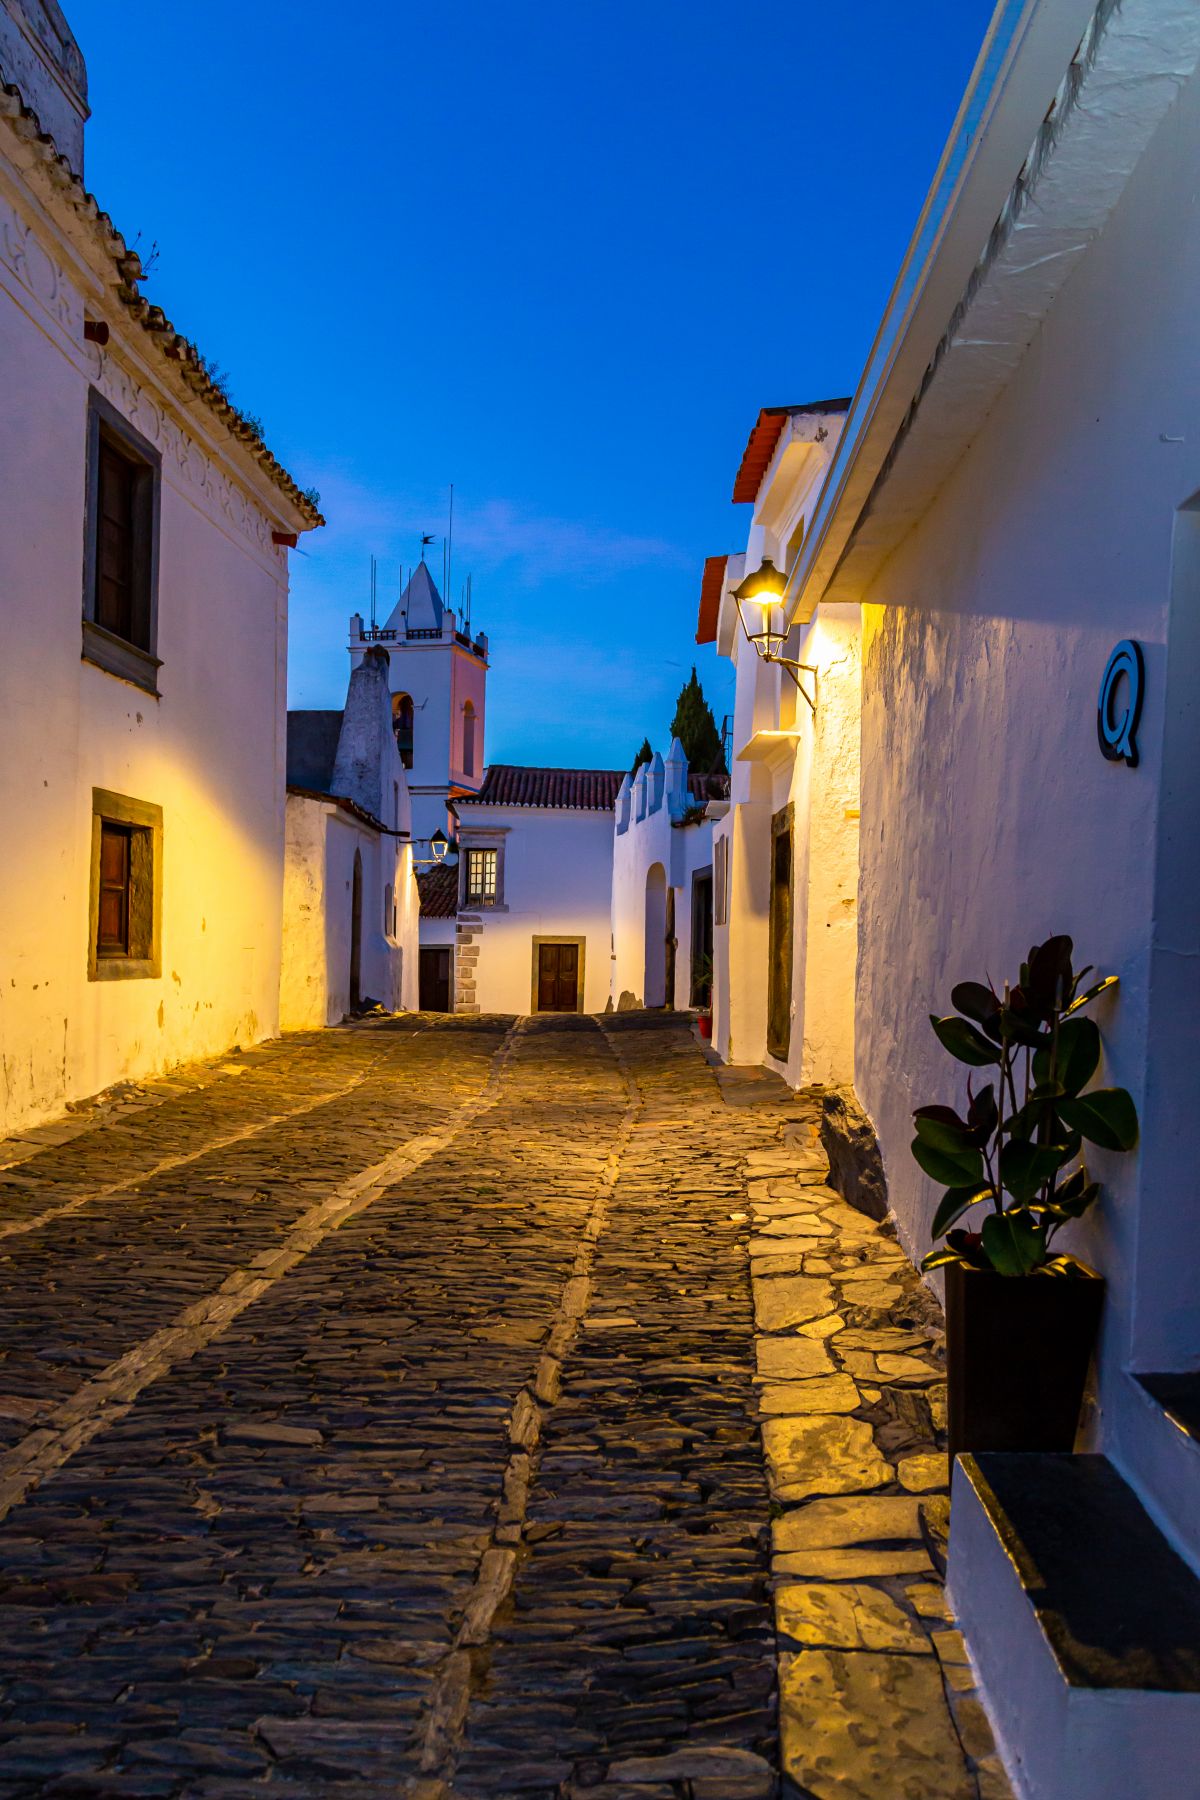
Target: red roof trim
{"x": 711, "y": 589}
{"x": 760, "y": 446}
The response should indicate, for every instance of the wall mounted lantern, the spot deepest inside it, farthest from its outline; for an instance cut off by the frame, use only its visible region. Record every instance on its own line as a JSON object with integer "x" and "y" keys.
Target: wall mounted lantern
{"x": 439, "y": 843}
{"x": 760, "y": 607}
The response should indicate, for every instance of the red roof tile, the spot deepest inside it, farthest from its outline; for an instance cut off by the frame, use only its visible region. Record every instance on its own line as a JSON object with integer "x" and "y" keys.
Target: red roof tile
{"x": 760, "y": 447}
{"x": 438, "y": 889}
{"x": 710, "y": 598}
{"x": 507, "y": 784}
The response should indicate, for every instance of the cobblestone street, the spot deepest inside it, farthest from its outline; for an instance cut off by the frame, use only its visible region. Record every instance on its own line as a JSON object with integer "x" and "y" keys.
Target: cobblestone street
{"x": 381, "y": 1416}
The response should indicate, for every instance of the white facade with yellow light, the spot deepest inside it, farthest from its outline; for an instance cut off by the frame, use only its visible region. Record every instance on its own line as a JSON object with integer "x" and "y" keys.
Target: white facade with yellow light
{"x": 786, "y": 853}
{"x": 143, "y": 630}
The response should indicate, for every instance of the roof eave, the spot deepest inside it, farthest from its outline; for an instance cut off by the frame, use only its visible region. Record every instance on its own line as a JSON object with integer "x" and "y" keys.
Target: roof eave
{"x": 1028, "y": 46}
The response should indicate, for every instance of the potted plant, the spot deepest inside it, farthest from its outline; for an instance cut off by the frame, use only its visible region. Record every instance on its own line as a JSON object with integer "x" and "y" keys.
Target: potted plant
{"x": 1021, "y": 1315}
{"x": 702, "y": 988}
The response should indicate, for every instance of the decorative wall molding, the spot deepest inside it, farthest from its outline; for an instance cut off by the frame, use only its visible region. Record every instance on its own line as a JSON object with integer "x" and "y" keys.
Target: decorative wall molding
{"x": 46, "y": 279}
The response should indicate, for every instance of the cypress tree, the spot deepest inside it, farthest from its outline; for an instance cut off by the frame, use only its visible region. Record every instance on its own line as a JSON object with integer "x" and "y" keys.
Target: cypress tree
{"x": 644, "y": 755}
{"x": 696, "y": 730}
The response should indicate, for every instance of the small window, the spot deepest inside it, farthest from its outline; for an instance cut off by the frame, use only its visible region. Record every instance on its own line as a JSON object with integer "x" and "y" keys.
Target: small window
{"x": 402, "y": 725}
{"x": 121, "y": 555}
{"x": 721, "y": 881}
{"x": 480, "y": 888}
{"x": 126, "y": 888}
{"x": 468, "y": 761}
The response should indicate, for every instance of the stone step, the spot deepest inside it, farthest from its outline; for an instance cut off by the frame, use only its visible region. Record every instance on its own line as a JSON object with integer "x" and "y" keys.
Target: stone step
{"x": 1083, "y": 1624}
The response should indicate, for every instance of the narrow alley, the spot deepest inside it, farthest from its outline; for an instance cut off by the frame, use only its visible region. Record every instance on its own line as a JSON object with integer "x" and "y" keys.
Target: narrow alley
{"x": 381, "y": 1414}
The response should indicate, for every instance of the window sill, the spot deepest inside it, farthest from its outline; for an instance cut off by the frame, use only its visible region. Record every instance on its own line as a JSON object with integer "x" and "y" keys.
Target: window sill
{"x": 125, "y": 968}
{"x": 116, "y": 657}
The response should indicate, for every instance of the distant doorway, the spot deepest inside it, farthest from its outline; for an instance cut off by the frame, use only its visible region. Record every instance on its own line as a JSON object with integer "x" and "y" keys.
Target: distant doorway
{"x": 779, "y": 939}
{"x": 356, "y": 934}
{"x": 654, "y": 980}
{"x": 557, "y": 973}
{"x": 702, "y": 938}
{"x": 434, "y": 967}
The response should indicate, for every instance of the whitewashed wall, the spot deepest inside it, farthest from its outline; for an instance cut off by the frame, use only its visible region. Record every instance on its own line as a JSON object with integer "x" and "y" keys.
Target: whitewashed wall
{"x": 648, "y": 835}
{"x": 989, "y": 817}
{"x": 210, "y": 751}
{"x": 322, "y": 839}
{"x": 557, "y": 883}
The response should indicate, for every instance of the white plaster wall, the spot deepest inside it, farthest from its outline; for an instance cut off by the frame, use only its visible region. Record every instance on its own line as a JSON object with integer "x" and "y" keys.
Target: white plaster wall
{"x": 823, "y": 787}
{"x": 303, "y": 979}
{"x": 558, "y": 866}
{"x": 209, "y": 751}
{"x": 681, "y": 850}
{"x": 318, "y": 875}
{"x": 990, "y": 818}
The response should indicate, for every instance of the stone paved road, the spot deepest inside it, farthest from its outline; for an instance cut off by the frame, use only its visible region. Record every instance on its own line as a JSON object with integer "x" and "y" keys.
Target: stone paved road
{"x": 379, "y": 1416}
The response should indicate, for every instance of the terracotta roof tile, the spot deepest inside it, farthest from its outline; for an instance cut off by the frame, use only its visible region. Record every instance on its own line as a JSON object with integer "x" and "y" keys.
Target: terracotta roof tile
{"x": 710, "y": 598}
{"x": 764, "y": 436}
{"x": 585, "y": 790}
{"x": 438, "y": 889}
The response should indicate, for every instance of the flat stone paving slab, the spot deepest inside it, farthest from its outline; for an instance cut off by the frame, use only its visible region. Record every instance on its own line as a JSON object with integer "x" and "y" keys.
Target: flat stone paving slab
{"x": 398, "y": 1410}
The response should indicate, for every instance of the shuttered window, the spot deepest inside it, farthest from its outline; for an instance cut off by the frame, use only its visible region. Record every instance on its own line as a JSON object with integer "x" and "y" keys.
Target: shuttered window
{"x": 121, "y": 559}
{"x": 112, "y": 933}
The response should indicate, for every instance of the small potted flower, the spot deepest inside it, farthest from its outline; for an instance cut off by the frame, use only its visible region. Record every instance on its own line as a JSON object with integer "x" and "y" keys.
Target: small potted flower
{"x": 1021, "y": 1315}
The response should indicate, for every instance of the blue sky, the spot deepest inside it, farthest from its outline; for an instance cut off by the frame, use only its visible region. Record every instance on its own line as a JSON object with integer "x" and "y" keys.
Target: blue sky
{"x": 556, "y": 255}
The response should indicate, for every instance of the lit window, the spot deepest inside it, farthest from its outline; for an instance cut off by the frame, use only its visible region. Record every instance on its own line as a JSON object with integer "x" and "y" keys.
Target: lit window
{"x": 481, "y": 878}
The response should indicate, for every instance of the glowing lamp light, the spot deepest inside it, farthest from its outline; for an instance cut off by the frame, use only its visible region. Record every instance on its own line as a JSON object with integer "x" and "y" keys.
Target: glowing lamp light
{"x": 439, "y": 843}
{"x": 760, "y": 607}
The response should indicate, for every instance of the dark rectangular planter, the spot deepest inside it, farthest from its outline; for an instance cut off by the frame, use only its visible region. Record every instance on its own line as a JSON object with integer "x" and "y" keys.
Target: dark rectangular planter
{"x": 1018, "y": 1349}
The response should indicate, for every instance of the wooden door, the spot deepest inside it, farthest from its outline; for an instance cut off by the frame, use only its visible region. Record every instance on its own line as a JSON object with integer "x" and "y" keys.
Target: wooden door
{"x": 434, "y": 975}
{"x": 779, "y": 936}
{"x": 558, "y": 978}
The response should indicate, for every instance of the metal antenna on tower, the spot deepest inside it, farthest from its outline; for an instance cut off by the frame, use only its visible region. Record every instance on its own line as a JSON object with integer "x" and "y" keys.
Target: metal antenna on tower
{"x": 450, "y": 544}
{"x": 374, "y": 567}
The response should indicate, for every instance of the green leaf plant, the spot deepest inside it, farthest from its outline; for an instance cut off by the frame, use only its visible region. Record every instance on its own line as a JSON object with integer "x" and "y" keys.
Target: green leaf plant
{"x": 1025, "y": 1129}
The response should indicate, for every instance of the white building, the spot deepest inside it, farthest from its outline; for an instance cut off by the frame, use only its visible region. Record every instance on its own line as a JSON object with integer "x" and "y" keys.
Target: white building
{"x": 350, "y": 896}
{"x": 1015, "y": 495}
{"x": 786, "y": 851}
{"x": 662, "y": 884}
{"x": 533, "y": 927}
{"x": 144, "y": 526}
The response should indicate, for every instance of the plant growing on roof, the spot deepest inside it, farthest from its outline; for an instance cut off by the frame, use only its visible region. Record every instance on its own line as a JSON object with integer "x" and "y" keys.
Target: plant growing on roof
{"x": 1027, "y": 1126}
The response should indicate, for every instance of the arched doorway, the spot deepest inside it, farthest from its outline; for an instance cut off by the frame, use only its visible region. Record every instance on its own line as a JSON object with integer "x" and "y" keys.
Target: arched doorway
{"x": 356, "y": 934}
{"x": 654, "y": 984}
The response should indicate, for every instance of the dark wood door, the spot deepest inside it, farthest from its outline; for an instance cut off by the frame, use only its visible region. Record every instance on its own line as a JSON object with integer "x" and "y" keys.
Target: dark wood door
{"x": 434, "y": 974}
{"x": 779, "y": 934}
{"x": 558, "y": 978}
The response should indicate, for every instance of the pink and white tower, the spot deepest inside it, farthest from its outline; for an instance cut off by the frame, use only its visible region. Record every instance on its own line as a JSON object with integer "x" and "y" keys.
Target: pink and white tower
{"x": 437, "y": 673}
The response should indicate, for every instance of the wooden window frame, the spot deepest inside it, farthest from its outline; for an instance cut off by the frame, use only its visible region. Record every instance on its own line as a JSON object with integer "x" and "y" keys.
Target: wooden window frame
{"x": 580, "y": 991}
{"x": 474, "y": 904}
{"x": 145, "y": 824}
{"x": 127, "y": 659}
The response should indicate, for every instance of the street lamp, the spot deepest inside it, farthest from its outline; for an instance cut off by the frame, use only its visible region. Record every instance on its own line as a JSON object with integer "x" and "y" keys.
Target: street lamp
{"x": 439, "y": 843}
{"x": 760, "y": 607}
